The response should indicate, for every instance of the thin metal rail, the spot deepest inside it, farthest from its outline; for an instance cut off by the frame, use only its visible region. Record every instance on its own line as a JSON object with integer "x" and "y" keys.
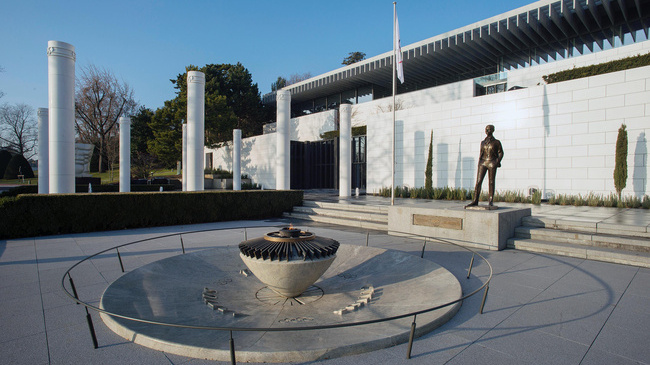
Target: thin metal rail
{"x": 74, "y": 296}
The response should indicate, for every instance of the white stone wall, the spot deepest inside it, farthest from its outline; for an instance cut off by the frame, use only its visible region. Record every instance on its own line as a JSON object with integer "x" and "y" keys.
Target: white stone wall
{"x": 560, "y": 137}
{"x": 257, "y": 158}
{"x": 258, "y": 153}
{"x": 308, "y": 127}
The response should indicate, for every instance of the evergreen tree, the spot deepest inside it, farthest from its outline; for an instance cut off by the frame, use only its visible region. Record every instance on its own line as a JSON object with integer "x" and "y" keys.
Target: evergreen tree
{"x": 620, "y": 167}
{"x": 428, "y": 173}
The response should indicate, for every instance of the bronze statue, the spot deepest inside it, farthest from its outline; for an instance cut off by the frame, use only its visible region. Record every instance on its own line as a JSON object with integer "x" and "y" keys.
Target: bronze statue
{"x": 489, "y": 160}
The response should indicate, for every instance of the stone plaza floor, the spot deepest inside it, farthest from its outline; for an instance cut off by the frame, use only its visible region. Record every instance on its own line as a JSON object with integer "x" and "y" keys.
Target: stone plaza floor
{"x": 541, "y": 309}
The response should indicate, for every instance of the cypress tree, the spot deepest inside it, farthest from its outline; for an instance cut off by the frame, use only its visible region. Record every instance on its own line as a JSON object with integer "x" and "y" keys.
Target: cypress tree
{"x": 620, "y": 167}
{"x": 428, "y": 173}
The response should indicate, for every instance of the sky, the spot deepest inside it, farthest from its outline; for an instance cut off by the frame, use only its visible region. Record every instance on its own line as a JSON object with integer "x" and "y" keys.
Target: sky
{"x": 145, "y": 43}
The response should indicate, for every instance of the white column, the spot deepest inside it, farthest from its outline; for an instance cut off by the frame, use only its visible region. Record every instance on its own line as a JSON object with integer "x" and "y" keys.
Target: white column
{"x": 184, "y": 157}
{"x": 43, "y": 150}
{"x": 60, "y": 75}
{"x": 283, "y": 147}
{"x": 195, "y": 129}
{"x": 125, "y": 154}
{"x": 236, "y": 159}
{"x": 345, "y": 155}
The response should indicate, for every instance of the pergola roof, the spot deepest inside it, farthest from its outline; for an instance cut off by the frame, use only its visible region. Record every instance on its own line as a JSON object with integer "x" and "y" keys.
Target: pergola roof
{"x": 539, "y": 31}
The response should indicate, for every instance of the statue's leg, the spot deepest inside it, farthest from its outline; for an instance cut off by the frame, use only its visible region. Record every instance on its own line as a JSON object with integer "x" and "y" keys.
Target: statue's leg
{"x": 480, "y": 175}
{"x": 492, "y": 174}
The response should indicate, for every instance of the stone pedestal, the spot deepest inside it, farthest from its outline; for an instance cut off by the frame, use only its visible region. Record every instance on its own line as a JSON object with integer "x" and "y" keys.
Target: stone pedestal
{"x": 487, "y": 229}
{"x": 43, "y": 158}
{"x": 125, "y": 154}
{"x": 345, "y": 155}
{"x": 236, "y": 159}
{"x": 61, "y": 78}
{"x": 195, "y": 129}
{"x": 283, "y": 151}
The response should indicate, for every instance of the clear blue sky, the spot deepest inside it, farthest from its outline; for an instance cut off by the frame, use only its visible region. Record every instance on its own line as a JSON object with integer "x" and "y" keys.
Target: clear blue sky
{"x": 148, "y": 42}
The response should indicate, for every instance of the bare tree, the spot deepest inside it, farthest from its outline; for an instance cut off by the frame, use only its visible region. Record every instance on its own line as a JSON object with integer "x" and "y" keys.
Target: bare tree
{"x": 1, "y": 92}
{"x": 18, "y": 128}
{"x": 100, "y": 101}
{"x": 296, "y": 78}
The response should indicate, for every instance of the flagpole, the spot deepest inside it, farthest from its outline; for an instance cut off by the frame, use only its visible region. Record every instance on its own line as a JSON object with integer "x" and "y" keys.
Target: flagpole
{"x": 392, "y": 183}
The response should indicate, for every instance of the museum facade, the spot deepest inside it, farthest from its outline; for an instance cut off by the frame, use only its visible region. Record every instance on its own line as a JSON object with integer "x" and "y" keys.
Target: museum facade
{"x": 558, "y": 138}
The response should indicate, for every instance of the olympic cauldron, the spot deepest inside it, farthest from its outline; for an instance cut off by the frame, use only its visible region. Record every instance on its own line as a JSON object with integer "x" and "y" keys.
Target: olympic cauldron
{"x": 290, "y": 260}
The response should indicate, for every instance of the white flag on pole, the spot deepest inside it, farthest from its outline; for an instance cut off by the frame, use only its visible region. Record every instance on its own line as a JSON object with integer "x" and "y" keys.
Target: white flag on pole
{"x": 398, "y": 55}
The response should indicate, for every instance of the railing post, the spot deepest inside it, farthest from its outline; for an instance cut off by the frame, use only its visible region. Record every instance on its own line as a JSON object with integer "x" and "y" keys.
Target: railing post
{"x": 232, "y": 350}
{"x": 367, "y": 237}
{"x": 74, "y": 288}
{"x": 411, "y": 336}
{"x": 89, "y": 319}
{"x": 471, "y": 262}
{"x": 423, "y": 247}
{"x": 484, "y": 297}
{"x": 119, "y": 258}
{"x": 182, "y": 244}
{"x": 91, "y": 328}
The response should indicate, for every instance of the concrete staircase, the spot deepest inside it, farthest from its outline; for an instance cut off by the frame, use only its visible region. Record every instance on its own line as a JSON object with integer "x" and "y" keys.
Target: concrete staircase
{"x": 576, "y": 239}
{"x": 352, "y": 215}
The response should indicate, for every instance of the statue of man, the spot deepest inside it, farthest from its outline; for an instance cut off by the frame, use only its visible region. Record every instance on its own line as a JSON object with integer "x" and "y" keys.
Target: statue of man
{"x": 489, "y": 160}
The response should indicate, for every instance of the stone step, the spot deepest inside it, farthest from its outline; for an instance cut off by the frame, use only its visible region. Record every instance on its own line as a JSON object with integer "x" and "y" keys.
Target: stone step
{"x": 376, "y": 209}
{"x": 605, "y": 254}
{"x": 618, "y": 229}
{"x": 335, "y": 220}
{"x": 620, "y": 242}
{"x": 345, "y": 214}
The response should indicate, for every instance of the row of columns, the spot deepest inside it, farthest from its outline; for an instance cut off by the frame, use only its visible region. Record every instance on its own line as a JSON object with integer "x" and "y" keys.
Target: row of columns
{"x": 57, "y": 169}
{"x": 56, "y": 157}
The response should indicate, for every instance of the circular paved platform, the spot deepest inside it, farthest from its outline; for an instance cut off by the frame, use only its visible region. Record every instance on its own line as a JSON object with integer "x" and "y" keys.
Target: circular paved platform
{"x": 171, "y": 290}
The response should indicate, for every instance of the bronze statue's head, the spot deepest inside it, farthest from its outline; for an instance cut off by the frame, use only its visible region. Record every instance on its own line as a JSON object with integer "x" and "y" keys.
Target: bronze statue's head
{"x": 489, "y": 129}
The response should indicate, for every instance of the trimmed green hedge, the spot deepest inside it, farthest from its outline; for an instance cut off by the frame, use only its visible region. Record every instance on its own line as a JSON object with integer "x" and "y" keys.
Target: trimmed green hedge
{"x": 602, "y": 68}
{"x": 37, "y": 215}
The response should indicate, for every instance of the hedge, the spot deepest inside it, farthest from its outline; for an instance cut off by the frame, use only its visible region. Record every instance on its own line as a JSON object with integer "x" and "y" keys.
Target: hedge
{"x": 48, "y": 214}
{"x": 601, "y": 68}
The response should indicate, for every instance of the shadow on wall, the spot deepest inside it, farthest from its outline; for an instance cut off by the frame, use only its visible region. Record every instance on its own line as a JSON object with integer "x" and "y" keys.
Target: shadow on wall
{"x": 469, "y": 172}
{"x": 259, "y": 174}
{"x": 420, "y": 154}
{"x": 399, "y": 151}
{"x": 640, "y": 175}
{"x": 458, "y": 179}
{"x": 442, "y": 165}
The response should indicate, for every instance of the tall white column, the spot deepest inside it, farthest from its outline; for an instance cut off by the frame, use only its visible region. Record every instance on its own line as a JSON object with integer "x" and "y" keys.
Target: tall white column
{"x": 184, "y": 157}
{"x": 345, "y": 155}
{"x": 195, "y": 129}
{"x": 43, "y": 151}
{"x": 60, "y": 75}
{"x": 283, "y": 147}
{"x": 125, "y": 154}
{"x": 236, "y": 159}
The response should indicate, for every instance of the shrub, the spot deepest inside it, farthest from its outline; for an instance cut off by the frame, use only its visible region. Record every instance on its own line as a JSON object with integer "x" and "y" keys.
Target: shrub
{"x": 428, "y": 172}
{"x": 602, "y": 68}
{"x": 18, "y": 165}
{"x": 33, "y": 215}
{"x": 620, "y": 165}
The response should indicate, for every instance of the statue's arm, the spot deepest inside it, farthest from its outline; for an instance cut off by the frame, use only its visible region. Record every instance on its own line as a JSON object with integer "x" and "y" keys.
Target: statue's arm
{"x": 500, "y": 155}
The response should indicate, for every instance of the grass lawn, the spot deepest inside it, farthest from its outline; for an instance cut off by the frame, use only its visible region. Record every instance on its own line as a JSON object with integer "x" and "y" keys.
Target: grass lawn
{"x": 107, "y": 177}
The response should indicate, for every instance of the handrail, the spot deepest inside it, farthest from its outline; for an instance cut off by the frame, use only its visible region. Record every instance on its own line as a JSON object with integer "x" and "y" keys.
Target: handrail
{"x": 74, "y": 295}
